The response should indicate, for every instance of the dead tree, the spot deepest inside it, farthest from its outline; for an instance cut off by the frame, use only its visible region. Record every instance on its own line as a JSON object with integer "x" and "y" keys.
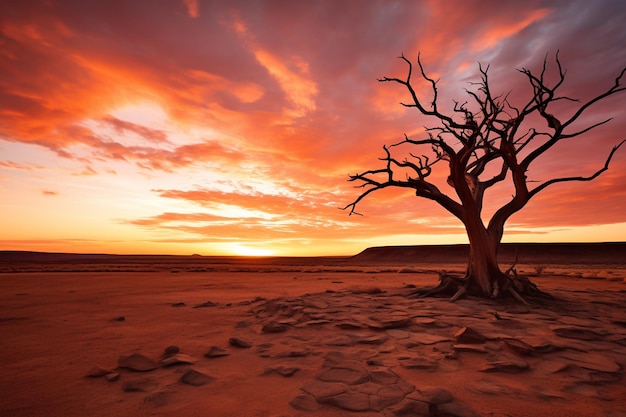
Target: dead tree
{"x": 480, "y": 146}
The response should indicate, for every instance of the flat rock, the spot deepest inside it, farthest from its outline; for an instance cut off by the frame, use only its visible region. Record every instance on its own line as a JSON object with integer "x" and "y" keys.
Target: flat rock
{"x": 97, "y": 372}
{"x": 112, "y": 377}
{"x": 470, "y": 348}
{"x": 321, "y": 389}
{"x": 348, "y": 373}
{"x": 274, "y": 327}
{"x": 419, "y": 363}
{"x": 505, "y": 363}
{"x": 591, "y": 360}
{"x": 455, "y": 409}
{"x": 139, "y": 385}
{"x": 426, "y": 339}
{"x": 240, "y": 343}
{"x": 467, "y": 335}
{"x": 572, "y": 332}
{"x": 304, "y": 402}
{"x": 350, "y": 400}
{"x": 171, "y": 350}
{"x": 286, "y": 371}
{"x": 196, "y": 378}
{"x": 177, "y": 359}
{"x": 137, "y": 362}
{"x": 216, "y": 352}
{"x": 389, "y": 321}
{"x": 205, "y": 304}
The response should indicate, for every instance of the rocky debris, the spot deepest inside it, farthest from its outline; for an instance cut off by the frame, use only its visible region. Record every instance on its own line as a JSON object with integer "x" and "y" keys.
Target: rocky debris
{"x": 205, "y": 304}
{"x": 170, "y": 350}
{"x": 286, "y": 371}
{"x": 139, "y": 385}
{"x": 572, "y": 332}
{"x": 196, "y": 378}
{"x": 178, "y": 304}
{"x": 216, "y": 352}
{"x": 177, "y": 359}
{"x": 119, "y": 318}
{"x": 240, "y": 343}
{"x": 97, "y": 372}
{"x": 274, "y": 327}
{"x": 505, "y": 363}
{"x": 304, "y": 402}
{"x": 137, "y": 362}
{"x": 468, "y": 336}
{"x": 349, "y": 385}
{"x": 112, "y": 377}
{"x": 419, "y": 362}
{"x": 158, "y": 398}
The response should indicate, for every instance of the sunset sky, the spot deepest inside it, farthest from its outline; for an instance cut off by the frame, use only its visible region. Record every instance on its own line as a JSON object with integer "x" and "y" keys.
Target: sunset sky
{"x": 230, "y": 127}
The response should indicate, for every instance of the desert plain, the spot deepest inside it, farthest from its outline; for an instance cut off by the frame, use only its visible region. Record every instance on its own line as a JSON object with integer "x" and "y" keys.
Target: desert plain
{"x": 308, "y": 337}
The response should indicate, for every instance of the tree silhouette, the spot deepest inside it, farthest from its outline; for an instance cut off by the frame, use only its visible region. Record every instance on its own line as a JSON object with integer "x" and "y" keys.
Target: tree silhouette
{"x": 490, "y": 143}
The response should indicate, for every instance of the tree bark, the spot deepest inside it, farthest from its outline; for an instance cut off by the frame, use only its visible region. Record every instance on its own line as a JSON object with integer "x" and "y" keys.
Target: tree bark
{"x": 483, "y": 274}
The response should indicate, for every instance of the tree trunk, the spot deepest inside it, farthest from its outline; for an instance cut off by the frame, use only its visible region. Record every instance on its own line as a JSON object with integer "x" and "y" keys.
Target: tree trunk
{"x": 483, "y": 275}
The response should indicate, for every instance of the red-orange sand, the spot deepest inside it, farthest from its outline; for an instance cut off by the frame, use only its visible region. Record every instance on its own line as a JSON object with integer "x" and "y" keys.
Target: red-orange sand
{"x": 56, "y": 326}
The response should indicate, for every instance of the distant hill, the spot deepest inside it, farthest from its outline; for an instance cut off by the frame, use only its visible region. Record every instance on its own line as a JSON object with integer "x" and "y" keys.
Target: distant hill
{"x": 529, "y": 253}
{"x": 547, "y": 253}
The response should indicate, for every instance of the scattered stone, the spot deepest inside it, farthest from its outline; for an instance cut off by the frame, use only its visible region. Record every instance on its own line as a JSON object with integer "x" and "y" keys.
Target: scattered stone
{"x": 592, "y": 360}
{"x": 139, "y": 385}
{"x": 351, "y": 401}
{"x": 240, "y": 343}
{"x": 216, "y": 352}
{"x": 120, "y": 318}
{"x": 519, "y": 347}
{"x": 505, "y": 363}
{"x": 419, "y": 363}
{"x": 177, "y": 359}
{"x": 274, "y": 327}
{"x": 171, "y": 350}
{"x": 179, "y": 304}
{"x": 347, "y": 373}
{"x": 467, "y": 336}
{"x": 286, "y": 371}
{"x": 321, "y": 389}
{"x": 137, "y": 362}
{"x": 437, "y": 396}
{"x": 426, "y": 339}
{"x": 410, "y": 408}
{"x": 205, "y": 304}
{"x": 455, "y": 409}
{"x": 304, "y": 402}
{"x": 389, "y": 321}
{"x": 97, "y": 372}
{"x": 577, "y": 333}
{"x": 470, "y": 348}
{"x": 158, "y": 398}
{"x": 196, "y": 378}
{"x": 112, "y": 377}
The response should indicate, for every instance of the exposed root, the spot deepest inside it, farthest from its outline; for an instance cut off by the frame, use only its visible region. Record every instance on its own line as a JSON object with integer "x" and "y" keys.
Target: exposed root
{"x": 516, "y": 295}
{"x": 518, "y": 288}
{"x": 460, "y": 293}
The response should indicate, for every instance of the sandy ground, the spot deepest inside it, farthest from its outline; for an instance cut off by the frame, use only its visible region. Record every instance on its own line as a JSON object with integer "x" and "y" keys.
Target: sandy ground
{"x": 336, "y": 342}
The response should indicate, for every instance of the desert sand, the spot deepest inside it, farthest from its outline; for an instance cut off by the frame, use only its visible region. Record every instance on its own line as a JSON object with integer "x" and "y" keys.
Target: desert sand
{"x": 303, "y": 338}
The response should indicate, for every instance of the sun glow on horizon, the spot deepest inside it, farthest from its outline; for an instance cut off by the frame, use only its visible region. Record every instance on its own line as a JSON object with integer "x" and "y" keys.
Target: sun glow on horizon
{"x": 240, "y": 249}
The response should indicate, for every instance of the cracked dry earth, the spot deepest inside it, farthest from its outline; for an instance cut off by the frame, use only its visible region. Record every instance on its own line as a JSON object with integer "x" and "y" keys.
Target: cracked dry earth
{"x": 369, "y": 352}
{"x": 384, "y": 353}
